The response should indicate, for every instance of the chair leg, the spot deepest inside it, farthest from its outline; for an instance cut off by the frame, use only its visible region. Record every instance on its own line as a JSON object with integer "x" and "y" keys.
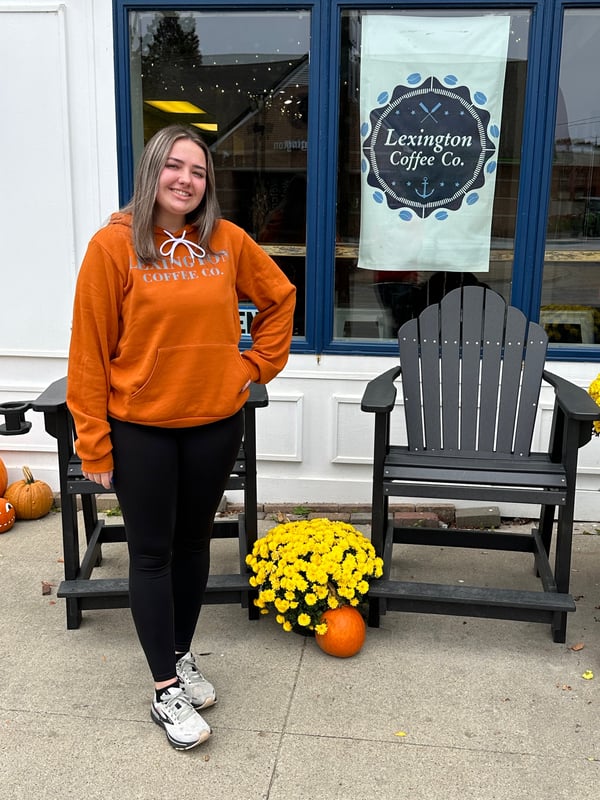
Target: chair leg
{"x": 253, "y": 611}
{"x": 374, "y": 612}
{"x": 379, "y": 506}
{"x": 564, "y": 545}
{"x": 559, "y": 628}
{"x": 90, "y": 520}
{"x": 249, "y": 519}
{"x": 546, "y": 525}
{"x": 73, "y": 613}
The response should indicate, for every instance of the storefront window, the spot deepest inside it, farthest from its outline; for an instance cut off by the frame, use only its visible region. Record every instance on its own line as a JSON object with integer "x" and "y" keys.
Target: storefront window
{"x": 571, "y": 283}
{"x": 242, "y": 78}
{"x": 371, "y": 303}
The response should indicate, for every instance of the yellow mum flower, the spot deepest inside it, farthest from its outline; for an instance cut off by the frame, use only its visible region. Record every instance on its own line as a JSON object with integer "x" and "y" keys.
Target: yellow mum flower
{"x": 302, "y": 568}
{"x": 594, "y": 392}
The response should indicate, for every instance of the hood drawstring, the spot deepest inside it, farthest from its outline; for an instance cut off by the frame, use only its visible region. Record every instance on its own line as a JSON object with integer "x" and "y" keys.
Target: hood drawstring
{"x": 168, "y": 248}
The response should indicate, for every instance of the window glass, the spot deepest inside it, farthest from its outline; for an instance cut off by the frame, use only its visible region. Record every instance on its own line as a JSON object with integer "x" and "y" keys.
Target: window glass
{"x": 369, "y": 303}
{"x": 571, "y": 283}
{"x": 242, "y": 78}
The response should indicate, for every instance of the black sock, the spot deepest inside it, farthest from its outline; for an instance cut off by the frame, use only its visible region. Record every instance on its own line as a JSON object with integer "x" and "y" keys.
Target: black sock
{"x": 160, "y": 692}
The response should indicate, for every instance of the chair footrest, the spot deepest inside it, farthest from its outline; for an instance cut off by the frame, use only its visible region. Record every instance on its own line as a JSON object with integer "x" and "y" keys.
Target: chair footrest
{"x": 470, "y": 596}
{"x": 103, "y": 587}
{"x": 119, "y": 587}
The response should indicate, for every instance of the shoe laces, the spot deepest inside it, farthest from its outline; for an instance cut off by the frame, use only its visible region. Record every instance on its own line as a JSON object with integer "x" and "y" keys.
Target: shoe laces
{"x": 189, "y": 671}
{"x": 176, "y": 705}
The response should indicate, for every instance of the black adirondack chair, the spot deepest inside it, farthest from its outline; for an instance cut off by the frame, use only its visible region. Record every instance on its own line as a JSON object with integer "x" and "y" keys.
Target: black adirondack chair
{"x": 82, "y": 588}
{"x": 471, "y": 370}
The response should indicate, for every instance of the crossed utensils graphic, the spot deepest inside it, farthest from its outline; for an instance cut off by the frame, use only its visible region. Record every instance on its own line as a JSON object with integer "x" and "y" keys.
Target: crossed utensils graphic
{"x": 430, "y": 112}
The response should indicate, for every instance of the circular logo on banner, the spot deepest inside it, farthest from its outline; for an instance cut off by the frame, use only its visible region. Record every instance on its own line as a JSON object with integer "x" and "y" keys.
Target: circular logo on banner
{"x": 429, "y": 147}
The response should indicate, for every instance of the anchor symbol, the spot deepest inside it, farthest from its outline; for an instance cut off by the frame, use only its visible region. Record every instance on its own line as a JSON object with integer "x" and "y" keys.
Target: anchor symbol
{"x": 424, "y": 194}
{"x": 429, "y": 113}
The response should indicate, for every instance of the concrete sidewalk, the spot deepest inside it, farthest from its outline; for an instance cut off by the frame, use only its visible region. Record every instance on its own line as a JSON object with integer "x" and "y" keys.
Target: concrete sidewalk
{"x": 432, "y": 707}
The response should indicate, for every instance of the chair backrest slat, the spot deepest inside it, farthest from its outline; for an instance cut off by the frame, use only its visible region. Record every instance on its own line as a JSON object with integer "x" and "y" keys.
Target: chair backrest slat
{"x": 450, "y": 318}
{"x": 429, "y": 333}
{"x": 535, "y": 359}
{"x": 471, "y": 374}
{"x": 491, "y": 368}
{"x": 472, "y": 315}
{"x": 410, "y": 359}
{"x": 514, "y": 353}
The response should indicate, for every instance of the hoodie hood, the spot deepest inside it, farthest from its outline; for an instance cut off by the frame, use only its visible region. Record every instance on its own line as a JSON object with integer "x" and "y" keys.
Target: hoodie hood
{"x": 120, "y": 218}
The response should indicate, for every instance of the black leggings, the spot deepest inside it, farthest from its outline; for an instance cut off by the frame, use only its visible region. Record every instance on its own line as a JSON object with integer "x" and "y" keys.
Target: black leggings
{"x": 169, "y": 482}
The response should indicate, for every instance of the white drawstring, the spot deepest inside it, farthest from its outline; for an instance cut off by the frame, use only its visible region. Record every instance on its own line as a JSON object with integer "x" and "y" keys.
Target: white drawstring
{"x": 195, "y": 250}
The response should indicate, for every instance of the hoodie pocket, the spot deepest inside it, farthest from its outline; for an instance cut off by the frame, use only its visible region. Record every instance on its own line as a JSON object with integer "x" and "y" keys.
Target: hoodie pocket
{"x": 192, "y": 381}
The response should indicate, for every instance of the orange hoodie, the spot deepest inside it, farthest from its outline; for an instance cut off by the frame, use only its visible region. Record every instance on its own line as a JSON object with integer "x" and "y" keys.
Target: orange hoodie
{"x": 158, "y": 344}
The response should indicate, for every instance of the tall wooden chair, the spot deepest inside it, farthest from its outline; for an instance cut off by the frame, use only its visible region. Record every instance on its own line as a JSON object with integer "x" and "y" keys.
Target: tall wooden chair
{"x": 82, "y": 588}
{"x": 471, "y": 371}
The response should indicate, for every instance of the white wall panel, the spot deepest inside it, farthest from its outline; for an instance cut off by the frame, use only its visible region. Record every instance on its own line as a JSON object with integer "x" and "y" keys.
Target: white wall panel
{"x": 351, "y": 431}
{"x": 36, "y": 201}
{"x": 279, "y": 428}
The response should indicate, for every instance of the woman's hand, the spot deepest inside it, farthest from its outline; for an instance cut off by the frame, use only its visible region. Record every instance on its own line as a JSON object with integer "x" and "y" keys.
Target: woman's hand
{"x": 103, "y": 478}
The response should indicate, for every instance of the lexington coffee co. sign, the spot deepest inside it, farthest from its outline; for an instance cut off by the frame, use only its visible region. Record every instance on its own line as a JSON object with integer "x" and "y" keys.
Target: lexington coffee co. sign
{"x": 429, "y": 146}
{"x": 431, "y": 92}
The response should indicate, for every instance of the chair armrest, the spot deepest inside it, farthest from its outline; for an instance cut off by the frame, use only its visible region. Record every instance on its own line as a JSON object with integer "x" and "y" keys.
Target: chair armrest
{"x": 258, "y": 397}
{"x": 573, "y": 400}
{"x": 53, "y": 397}
{"x": 380, "y": 393}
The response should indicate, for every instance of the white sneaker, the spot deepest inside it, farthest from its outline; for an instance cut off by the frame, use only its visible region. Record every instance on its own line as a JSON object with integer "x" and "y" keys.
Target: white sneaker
{"x": 198, "y": 690}
{"x": 184, "y": 727}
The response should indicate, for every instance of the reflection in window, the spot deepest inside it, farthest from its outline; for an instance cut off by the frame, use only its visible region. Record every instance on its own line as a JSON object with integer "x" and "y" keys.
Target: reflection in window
{"x": 242, "y": 79}
{"x": 371, "y": 304}
{"x": 571, "y": 284}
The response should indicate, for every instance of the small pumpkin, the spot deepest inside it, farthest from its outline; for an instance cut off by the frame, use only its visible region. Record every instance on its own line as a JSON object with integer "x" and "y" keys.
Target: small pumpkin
{"x": 3, "y": 478}
{"x": 345, "y": 634}
{"x": 7, "y": 515}
{"x": 31, "y": 498}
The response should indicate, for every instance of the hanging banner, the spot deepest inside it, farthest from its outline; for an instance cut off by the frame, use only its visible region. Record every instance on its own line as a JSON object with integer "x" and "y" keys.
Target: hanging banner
{"x": 431, "y": 103}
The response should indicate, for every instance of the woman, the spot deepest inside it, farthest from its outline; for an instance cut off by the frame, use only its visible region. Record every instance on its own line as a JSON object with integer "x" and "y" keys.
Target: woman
{"x": 156, "y": 384}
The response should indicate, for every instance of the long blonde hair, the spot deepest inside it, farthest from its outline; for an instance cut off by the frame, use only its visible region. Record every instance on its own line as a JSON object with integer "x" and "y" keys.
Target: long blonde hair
{"x": 141, "y": 206}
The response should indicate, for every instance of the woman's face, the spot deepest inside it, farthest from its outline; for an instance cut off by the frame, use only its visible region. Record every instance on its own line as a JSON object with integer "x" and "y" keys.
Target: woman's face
{"x": 181, "y": 185}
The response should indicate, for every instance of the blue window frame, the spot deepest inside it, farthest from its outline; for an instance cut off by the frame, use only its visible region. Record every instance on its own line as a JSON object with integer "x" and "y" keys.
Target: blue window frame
{"x": 321, "y": 331}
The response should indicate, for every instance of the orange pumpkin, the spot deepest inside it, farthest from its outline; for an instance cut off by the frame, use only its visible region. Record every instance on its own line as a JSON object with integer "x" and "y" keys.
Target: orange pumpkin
{"x": 7, "y": 515}
{"x": 3, "y": 477}
{"x": 345, "y": 634}
{"x": 31, "y": 498}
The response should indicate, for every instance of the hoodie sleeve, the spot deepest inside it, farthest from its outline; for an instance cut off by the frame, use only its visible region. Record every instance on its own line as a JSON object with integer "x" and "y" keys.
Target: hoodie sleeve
{"x": 264, "y": 284}
{"x": 94, "y": 337}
